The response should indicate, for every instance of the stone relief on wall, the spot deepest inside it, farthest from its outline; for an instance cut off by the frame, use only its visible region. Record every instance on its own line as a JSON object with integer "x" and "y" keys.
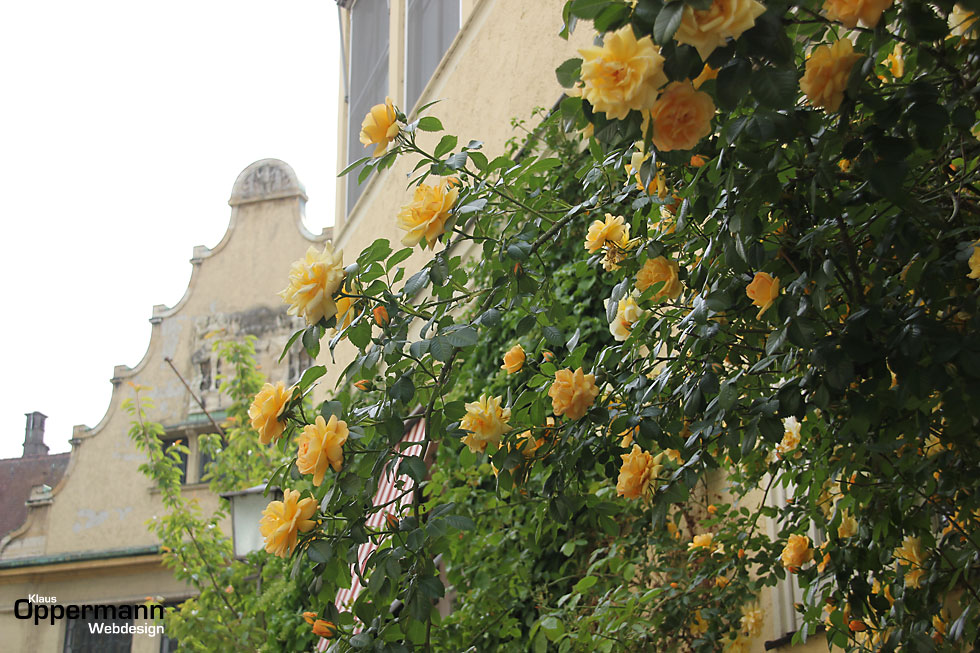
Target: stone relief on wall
{"x": 266, "y": 179}
{"x": 271, "y": 329}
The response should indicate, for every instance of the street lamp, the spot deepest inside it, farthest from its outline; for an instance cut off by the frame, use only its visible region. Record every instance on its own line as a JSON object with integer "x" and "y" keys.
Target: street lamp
{"x": 246, "y": 511}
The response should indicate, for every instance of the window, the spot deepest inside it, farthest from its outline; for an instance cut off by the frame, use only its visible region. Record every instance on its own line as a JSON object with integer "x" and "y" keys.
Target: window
{"x": 79, "y": 639}
{"x": 368, "y": 80}
{"x": 787, "y": 593}
{"x": 183, "y": 456}
{"x": 430, "y": 26}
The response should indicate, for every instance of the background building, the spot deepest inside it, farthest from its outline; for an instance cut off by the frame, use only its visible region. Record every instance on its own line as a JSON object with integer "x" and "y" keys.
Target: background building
{"x": 81, "y": 536}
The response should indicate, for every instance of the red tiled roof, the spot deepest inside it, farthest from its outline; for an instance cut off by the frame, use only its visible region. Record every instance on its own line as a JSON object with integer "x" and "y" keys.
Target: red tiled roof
{"x": 17, "y": 477}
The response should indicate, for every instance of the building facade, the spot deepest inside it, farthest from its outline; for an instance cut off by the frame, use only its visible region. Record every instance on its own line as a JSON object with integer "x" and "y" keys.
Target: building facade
{"x": 82, "y": 536}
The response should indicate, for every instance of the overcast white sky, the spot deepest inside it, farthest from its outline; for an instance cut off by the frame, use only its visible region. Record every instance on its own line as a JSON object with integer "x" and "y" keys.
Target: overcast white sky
{"x": 123, "y": 126}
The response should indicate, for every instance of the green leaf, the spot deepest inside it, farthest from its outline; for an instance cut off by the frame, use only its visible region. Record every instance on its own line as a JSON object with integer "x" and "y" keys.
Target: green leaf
{"x": 569, "y": 72}
{"x": 320, "y": 551}
{"x": 585, "y": 583}
{"x": 668, "y": 20}
{"x": 464, "y": 337}
{"x": 289, "y": 343}
{"x": 353, "y": 165}
{"x": 311, "y": 375}
{"x": 445, "y": 145}
{"x": 553, "y": 336}
{"x": 415, "y": 467}
{"x": 775, "y": 88}
{"x": 457, "y": 160}
{"x": 732, "y": 83}
{"x": 416, "y": 282}
{"x": 403, "y": 389}
{"x": 459, "y": 522}
{"x": 430, "y": 124}
{"x": 398, "y": 257}
{"x": 441, "y": 349}
{"x": 311, "y": 341}
{"x": 588, "y": 9}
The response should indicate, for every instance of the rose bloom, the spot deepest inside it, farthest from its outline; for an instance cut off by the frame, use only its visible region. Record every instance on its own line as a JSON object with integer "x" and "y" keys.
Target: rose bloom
{"x": 710, "y": 28}
{"x": 283, "y": 520}
{"x": 321, "y": 444}
{"x": 962, "y": 23}
{"x": 896, "y": 63}
{"x": 310, "y": 617}
{"x": 791, "y": 436}
{"x": 345, "y": 312}
{"x": 752, "y": 622}
{"x": 622, "y": 74}
{"x": 426, "y": 215}
{"x": 486, "y": 421}
{"x": 265, "y": 410}
{"x": 849, "y": 12}
{"x": 514, "y": 359}
{"x": 638, "y": 474}
{"x": 703, "y": 541}
{"x": 910, "y": 553}
{"x": 848, "y": 526}
{"x": 313, "y": 280}
{"x": 325, "y": 629}
{"x": 380, "y": 315}
{"x": 681, "y": 117}
{"x": 379, "y": 127}
{"x": 572, "y": 393}
{"x": 827, "y": 71}
{"x": 627, "y": 315}
{"x": 659, "y": 269}
{"x": 763, "y": 291}
{"x": 611, "y": 229}
{"x": 974, "y": 262}
{"x": 797, "y": 552}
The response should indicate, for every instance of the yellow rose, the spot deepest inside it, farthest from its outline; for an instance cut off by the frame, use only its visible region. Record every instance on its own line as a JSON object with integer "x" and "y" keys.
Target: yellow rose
{"x": 681, "y": 117}
{"x": 656, "y": 270}
{"x": 572, "y": 393}
{"x": 849, "y": 12}
{"x": 313, "y": 280}
{"x": 265, "y": 410}
{"x": 379, "y": 127}
{"x": 703, "y": 541}
{"x": 699, "y": 626}
{"x": 752, "y": 622}
{"x": 283, "y": 520}
{"x": 797, "y": 552}
{"x": 710, "y": 28}
{"x": 962, "y": 23}
{"x": 707, "y": 73}
{"x": 896, "y": 63}
{"x": 627, "y": 315}
{"x": 310, "y": 617}
{"x": 827, "y": 71}
{"x": 514, "y": 359}
{"x": 426, "y": 215}
{"x": 910, "y": 555}
{"x": 974, "y": 262}
{"x": 791, "y": 436}
{"x": 763, "y": 291}
{"x": 321, "y": 444}
{"x": 638, "y": 475}
{"x": 486, "y": 421}
{"x": 345, "y": 312}
{"x": 848, "y": 526}
{"x": 612, "y": 230}
{"x": 325, "y": 629}
{"x": 622, "y": 74}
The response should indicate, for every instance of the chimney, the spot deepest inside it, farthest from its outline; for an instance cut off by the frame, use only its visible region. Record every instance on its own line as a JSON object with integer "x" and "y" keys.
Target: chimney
{"x": 34, "y": 435}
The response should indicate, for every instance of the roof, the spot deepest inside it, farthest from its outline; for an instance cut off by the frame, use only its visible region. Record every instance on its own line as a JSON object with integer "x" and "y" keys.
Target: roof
{"x": 17, "y": 477}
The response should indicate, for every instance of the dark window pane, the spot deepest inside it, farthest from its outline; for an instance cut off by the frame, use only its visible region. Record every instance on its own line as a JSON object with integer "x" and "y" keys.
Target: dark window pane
{"x": 430, "y": 26}
{"x": 79, "y": 637}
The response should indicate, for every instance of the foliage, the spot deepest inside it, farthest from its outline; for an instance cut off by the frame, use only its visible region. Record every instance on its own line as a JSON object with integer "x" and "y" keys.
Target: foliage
{"x": 822, "y": 341}
{"x": 254, "y": 602}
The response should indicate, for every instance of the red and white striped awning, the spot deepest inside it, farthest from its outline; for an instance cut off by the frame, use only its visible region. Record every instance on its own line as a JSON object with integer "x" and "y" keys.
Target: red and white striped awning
{"x": 390, "y": 486}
